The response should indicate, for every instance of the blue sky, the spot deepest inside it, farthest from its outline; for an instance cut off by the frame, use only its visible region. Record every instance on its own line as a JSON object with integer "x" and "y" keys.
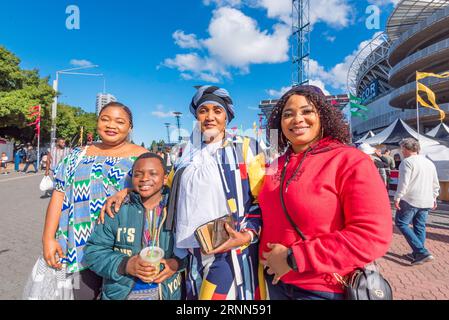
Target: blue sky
{"x": 152, "y": 53}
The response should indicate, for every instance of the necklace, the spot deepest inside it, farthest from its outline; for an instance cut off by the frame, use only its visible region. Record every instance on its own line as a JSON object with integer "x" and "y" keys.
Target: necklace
{"x": 153, "y": 219}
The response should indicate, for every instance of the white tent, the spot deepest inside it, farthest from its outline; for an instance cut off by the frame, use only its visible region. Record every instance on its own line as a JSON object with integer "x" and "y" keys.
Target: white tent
{"x": 370, "y": 134}
{"x": 397, "y": 131}
{"x": 439, "y": 155}
{"x": 441, "y": 131}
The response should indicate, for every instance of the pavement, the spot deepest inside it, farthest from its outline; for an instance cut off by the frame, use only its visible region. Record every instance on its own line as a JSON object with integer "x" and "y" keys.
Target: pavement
{"x": 22, "y": 215}
{"x": 429, "y": 281}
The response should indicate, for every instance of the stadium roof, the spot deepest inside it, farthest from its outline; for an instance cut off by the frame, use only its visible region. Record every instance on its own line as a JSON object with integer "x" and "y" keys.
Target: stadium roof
{"x": 411, "y": 12}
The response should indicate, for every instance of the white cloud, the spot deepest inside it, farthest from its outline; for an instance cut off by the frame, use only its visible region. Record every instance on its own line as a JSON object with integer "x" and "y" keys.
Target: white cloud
{"x": 191, "y": 66}
{"x": 381, "y": 3}
{"x": 331, "y": 38}
{"x": 159, "y": 113}
{"x": 236, "y": 40}
{"x": 186, "y": 41}
{"x": 80, "y": 63}
{"x": 336, "y": 13}
{"x": 276, "y": 94}
{"x": 221, "y": 3}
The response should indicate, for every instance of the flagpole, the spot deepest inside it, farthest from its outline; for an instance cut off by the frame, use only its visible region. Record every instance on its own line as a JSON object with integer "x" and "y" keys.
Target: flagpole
{"x": 417, "y": 107}
{"x": 38, "y": 139}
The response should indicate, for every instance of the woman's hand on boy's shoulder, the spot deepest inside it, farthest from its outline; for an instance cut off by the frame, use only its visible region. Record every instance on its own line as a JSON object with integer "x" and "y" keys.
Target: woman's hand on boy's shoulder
{"x": 171, "y": 266}
{"x": 113, "y": 204}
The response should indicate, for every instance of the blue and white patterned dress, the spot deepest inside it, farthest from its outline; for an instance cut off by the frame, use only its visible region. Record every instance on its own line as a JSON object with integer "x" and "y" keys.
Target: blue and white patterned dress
{"x": 86, "y": 187}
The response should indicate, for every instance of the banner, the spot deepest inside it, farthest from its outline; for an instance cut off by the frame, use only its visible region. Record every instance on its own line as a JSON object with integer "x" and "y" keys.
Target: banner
{"x": 423, "y": 75}
{"x": 357, "y": 110}
{"x": 430, "y": 94}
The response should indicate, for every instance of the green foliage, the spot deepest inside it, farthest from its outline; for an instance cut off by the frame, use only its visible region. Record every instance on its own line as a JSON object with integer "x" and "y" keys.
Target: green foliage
{"x": 22, "y": 89}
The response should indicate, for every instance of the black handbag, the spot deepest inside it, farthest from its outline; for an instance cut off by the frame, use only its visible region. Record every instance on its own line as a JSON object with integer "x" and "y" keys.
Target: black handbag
{"x": 363, "y": 283}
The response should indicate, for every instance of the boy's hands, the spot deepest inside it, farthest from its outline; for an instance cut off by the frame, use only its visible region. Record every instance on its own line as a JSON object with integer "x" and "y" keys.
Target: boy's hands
{"x": 170, "y": 268}
{"x": 137, "y": 267}
{"x": 146, "y": 272}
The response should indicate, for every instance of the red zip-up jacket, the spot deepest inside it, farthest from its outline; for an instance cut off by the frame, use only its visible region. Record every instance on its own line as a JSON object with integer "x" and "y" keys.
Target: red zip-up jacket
{"x": 341, "y": 205}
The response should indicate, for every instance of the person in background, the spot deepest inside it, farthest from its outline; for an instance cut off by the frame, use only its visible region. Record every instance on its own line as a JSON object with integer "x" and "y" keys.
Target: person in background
{"x": 417, "y": 192}
{"x": 168, "y": 157}
{"x": 55, "y": 155}
{"x": 397, "y": 161}
{"x": 338, "y": 208}
{"x": 31, "y": 159}
{"x": 389, "y": 161}
{"x": 18, "y": 158}
{"x": 4, "y": 163}
{"x": 380, "y": 164}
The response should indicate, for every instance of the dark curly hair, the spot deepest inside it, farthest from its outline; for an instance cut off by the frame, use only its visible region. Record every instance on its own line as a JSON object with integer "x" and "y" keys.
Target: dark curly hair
{"x": 332, "y": 121}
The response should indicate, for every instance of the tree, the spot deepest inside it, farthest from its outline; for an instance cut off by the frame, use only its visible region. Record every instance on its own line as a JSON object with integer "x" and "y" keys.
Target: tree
{"x": 20, "y": 90}
{"x": 70, "y": 120}
{"x": 143, "y": 145}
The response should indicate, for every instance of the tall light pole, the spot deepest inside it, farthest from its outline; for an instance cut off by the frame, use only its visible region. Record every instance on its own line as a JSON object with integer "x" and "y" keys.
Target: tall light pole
{"x": 300, "y": 41}
{"x": 178, "y": 117}
{"x": 54, "y": 106}
{"x": 167, "y": 125}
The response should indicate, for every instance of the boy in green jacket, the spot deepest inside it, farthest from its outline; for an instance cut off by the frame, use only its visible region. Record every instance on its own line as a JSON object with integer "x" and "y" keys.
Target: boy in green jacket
{"x": 112, "y": 250}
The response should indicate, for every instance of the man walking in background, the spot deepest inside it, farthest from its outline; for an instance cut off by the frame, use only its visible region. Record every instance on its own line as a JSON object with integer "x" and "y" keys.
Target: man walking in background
{"x": 31, "y": 159}
{"x": 56, "y": 154}
{"x": 416, "y": 195}
{"x": 389, "y": 160}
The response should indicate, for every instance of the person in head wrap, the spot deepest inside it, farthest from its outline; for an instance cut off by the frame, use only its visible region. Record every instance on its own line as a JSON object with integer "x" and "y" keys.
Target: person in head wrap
{"x": 218, "y": 175}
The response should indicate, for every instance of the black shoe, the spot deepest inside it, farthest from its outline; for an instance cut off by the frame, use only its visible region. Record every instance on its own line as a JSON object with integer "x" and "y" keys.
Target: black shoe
{"x": 422, "y": 258}
{"x": 409, "y": 256}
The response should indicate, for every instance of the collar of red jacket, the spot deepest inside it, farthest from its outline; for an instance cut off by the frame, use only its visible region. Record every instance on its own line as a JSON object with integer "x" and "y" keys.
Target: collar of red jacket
{"x": 323, "y": 145}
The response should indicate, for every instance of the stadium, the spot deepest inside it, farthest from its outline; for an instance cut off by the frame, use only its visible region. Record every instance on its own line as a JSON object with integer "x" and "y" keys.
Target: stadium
{"x": 383, "y": 74}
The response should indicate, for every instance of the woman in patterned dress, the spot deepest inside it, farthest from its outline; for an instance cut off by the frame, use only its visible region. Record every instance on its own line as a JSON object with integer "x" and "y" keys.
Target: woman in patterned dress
{"x": 216, "y": 175}
{"x": 84, "y": 179}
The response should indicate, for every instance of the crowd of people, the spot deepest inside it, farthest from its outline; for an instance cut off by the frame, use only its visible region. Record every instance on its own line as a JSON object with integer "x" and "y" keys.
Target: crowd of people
{"x": 293, "y": 225}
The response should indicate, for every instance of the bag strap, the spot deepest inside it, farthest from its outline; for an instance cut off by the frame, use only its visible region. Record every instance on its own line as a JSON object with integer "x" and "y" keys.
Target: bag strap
{"x": 281, "y": 188}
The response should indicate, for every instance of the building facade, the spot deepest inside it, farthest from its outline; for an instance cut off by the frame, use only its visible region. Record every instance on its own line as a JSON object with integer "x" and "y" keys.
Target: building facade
{"x": 102, "y": 100}
{"x": 384, "y": 73}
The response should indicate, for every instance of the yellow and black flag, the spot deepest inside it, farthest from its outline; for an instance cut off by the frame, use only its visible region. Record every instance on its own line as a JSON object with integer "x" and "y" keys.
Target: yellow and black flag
{"x": 430, "y": 94}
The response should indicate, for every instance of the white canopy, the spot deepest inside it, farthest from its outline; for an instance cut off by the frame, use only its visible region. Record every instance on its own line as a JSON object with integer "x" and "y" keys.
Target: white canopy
{"x": 397, "y": 131}
{"x": 370, "y": 134}
{"x": 441, "y": 131}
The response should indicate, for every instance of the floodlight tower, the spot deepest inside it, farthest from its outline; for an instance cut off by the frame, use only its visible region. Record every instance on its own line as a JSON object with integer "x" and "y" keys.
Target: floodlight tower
{"x": 300, "y": 41}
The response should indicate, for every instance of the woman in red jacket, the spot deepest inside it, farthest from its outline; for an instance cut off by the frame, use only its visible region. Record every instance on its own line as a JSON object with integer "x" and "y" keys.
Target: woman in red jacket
{"x": 338, "y": 206}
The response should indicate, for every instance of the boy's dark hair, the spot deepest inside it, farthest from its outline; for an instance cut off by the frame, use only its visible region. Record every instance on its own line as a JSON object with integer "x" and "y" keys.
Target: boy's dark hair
{"x": 119, "y": 105}
{"x": 150, "y": 155}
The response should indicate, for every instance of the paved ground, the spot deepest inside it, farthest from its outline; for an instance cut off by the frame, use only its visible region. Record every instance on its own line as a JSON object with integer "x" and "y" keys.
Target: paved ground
{"x": 22, "y": 213}
{"x": 429, "y": 281}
